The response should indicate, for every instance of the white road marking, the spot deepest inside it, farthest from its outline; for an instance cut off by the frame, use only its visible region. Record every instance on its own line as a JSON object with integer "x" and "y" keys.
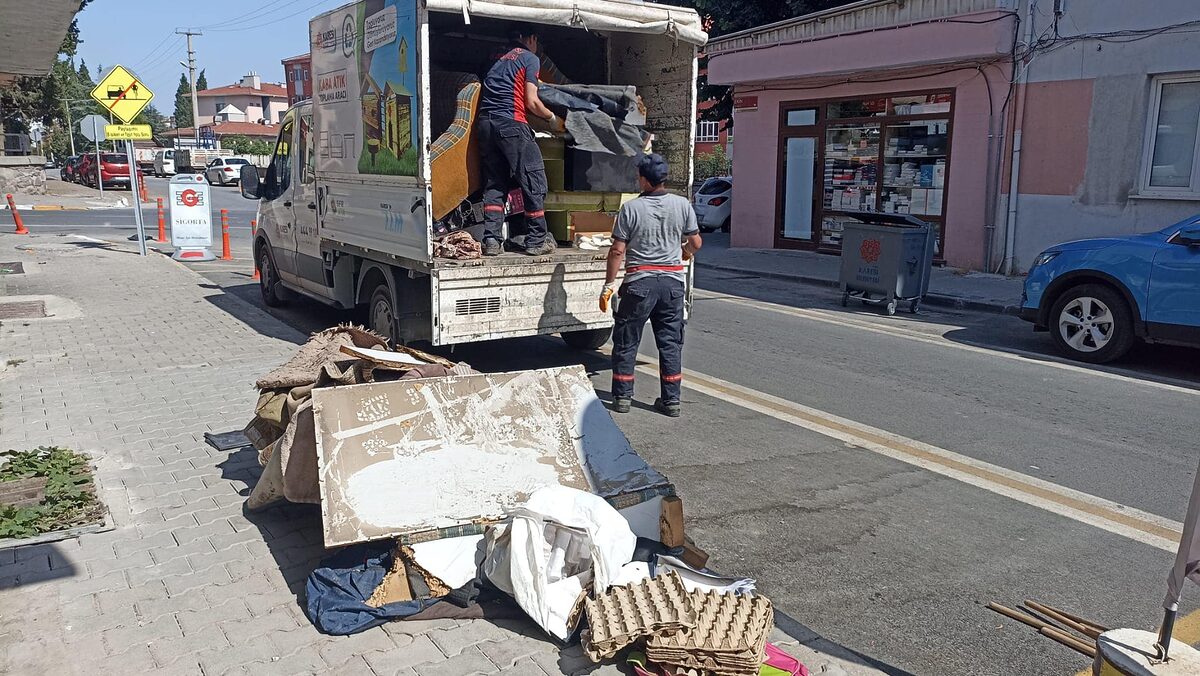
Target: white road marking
{"x": 1024, "y": 356}
{"x": 90, "y": 239}
{"x": 1106, "y": 515}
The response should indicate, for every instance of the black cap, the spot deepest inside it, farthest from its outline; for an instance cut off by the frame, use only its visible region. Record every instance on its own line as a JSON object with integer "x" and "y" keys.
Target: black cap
{"x": 653, "y": 168}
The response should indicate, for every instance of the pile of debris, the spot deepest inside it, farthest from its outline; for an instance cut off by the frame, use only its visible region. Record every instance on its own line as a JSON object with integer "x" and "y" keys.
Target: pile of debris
{"x": 452, "y": 493}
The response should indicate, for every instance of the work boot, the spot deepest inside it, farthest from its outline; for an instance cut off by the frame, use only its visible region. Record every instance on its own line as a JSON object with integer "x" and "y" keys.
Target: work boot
{"x": 667, "y": 408}
{"x": 622, "y": 404}
{"x": 542, "y": 249}
{"x": 491, "y": 247}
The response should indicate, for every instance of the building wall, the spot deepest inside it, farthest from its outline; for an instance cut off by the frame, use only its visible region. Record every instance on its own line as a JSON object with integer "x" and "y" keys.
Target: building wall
{"x": 299, "y": 85}
{"x": 251, "y": 105}
{"x": 1085, "y": 125}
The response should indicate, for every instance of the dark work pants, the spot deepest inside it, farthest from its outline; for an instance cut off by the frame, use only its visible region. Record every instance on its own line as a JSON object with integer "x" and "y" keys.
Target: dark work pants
{"x": 658, "y": 298}
{"x": 511, "y": 158}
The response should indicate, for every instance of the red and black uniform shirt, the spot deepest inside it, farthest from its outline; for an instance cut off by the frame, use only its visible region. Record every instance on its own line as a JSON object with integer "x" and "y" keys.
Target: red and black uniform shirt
{"x": 504, "y": 84}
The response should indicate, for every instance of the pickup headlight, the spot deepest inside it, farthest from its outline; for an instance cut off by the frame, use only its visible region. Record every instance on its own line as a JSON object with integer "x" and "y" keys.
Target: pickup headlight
{"x": 1045, "y": 258}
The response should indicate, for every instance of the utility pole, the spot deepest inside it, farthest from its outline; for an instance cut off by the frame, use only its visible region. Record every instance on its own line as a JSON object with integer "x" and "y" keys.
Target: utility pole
{"x": 70, "y": 127}
{"x": 191, "y": 66}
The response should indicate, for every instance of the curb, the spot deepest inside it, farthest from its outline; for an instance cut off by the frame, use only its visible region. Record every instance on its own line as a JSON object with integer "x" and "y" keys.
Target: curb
{"x": 59, "y": 207}
{"x": 936, "y": 299}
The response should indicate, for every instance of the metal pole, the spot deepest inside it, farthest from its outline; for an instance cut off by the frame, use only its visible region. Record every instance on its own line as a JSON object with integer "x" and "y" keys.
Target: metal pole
{"x": 99, "y": 174}
{"x": 137, "y": 200}
{"x": 70, "y": 126}
{"x": 1164, "y": 634}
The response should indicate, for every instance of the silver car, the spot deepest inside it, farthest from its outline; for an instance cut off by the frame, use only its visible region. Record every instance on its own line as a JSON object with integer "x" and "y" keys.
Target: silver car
{"x": 713, "y": 204}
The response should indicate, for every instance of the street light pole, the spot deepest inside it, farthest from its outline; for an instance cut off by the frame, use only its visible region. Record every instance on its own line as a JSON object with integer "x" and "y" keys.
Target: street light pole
{"x": 70, "y": 126}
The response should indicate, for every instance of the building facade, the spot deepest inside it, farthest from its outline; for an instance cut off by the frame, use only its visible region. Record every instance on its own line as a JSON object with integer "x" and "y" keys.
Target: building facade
{"x": 297, "y": 75}
{"x": 942, "y": 108}
{"x": 250, "y": 100}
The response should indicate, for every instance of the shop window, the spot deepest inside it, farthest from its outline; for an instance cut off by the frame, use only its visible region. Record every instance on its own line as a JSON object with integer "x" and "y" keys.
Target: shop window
{"x": 804, "y": 117}
{"x": 708, "y": 132}
{"x": 1172, "y": 155}
{"x": 857, "y": 108}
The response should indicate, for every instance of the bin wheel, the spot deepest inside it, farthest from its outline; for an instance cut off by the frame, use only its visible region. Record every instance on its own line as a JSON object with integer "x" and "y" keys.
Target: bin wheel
{"x": 845, "y": 298}
{"x": 914, "y": 307}
{"x": 891, "y": 308}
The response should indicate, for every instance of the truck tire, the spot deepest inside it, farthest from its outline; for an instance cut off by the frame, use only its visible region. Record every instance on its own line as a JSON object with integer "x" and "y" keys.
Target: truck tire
{"x": 273, "y": 294}
{"x": 381, "y": 313}
{"x": 590, "y": 339}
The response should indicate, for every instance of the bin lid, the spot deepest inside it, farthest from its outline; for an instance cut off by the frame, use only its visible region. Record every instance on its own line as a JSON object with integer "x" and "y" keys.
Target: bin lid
{"x": 878, "y": 218}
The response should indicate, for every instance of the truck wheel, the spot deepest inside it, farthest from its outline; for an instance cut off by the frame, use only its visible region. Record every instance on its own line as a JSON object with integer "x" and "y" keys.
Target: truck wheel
{"x": 1091, "y": 323}
{"x": 381, "y": 314}
{"x": 268, "y": 281}
{"x": 590, "y": 339}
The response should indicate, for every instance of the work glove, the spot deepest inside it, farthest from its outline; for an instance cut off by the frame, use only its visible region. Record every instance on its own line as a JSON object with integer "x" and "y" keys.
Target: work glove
{"x": 606, "y": 295}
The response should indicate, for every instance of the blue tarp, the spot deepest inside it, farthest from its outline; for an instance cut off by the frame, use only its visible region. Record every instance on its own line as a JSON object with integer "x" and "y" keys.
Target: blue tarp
{"x": 337, "y": 591}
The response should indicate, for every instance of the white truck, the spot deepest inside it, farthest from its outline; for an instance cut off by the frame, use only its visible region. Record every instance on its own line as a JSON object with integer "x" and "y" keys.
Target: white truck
{"x": 347, "y": 205}
{"x": 196, "y": 159}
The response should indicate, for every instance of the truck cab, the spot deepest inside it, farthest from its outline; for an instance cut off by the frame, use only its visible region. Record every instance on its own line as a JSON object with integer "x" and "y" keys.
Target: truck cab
{"x": 370, "y": 174}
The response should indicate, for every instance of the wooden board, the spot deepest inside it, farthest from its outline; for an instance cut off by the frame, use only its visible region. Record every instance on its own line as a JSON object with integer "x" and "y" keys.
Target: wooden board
{"x": 23, "y": 492}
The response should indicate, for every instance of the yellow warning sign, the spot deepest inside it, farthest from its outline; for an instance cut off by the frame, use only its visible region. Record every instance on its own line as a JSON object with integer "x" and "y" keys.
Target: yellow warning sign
{"x": 127, "y": 132}
{"x": 122, "y": 94}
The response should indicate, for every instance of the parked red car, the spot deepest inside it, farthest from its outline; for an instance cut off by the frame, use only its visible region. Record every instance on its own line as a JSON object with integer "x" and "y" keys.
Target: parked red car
{"x": 113, "y": 170}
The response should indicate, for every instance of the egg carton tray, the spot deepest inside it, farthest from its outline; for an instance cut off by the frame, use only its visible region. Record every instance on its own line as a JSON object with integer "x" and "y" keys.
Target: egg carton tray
{"x": 729, "y": 635}
{"x": 659, "y": 606}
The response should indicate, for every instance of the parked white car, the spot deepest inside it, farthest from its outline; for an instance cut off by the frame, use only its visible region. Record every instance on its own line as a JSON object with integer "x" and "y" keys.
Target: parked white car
{"x": 713, "y": 203}
{"x": 164, "y": 163}
{"x": 224, "y": 170}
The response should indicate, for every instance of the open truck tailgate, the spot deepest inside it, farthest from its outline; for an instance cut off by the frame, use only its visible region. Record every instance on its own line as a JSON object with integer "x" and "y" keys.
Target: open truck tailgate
{"x": 526, "y": 297}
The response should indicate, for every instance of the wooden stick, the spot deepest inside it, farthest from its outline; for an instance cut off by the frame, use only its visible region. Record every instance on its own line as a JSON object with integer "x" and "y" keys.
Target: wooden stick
{"x": 1066, "y": 639}
{"x": 1085, "y": 629}
{"x": 1019, "y": 616}
{"x": 1081, "y": 620}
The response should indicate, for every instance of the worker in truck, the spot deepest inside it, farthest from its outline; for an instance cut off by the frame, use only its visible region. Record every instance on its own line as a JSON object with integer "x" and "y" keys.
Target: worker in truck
{"x": 653, "y": 236}
{"x": 510, "y": 154}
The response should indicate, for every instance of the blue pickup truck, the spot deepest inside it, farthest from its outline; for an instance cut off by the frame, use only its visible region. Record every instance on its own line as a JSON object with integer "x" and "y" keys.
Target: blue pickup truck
{"x": 1097, "y": 296}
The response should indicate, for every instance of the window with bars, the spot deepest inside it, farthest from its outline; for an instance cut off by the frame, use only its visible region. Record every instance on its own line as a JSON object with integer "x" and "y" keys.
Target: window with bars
{"x": 708, "y": 132}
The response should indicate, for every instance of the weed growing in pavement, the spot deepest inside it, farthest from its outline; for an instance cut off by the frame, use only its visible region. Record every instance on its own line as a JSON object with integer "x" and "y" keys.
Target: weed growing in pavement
{"x": 70, "y": 498}
{"x": 15, "y": 362}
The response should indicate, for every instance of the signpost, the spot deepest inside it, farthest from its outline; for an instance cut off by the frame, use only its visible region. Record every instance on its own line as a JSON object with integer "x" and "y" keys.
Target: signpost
{"x": 92, "y": 127}
{"x": 124, "y": 95}
{"x": 191, "y": 218}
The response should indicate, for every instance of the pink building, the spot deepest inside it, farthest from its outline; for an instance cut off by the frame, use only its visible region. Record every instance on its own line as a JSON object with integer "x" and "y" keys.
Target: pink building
{"x": 915, "y": 107}
{"x": 250, "y": 100}
{"x": 297, "y": 71}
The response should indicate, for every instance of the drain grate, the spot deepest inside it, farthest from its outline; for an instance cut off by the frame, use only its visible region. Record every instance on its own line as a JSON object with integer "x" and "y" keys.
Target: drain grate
{"x": 15, "y": 268}
{"x": 25, "y": 309}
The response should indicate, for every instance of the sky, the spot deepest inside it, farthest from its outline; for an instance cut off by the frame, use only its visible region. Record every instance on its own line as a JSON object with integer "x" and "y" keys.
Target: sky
{"x": 239, "y": 36}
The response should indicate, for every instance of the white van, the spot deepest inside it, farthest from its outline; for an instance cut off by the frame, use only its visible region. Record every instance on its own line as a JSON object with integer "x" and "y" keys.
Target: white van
{"x": 380, "y": 159}
{"x": 164, "y": 162}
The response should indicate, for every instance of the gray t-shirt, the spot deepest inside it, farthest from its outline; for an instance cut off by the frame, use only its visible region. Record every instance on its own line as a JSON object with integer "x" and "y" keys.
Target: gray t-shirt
{"x": 653, "y": 227}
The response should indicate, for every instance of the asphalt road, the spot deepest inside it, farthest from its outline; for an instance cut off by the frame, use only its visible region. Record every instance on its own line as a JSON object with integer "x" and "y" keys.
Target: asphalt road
{"x": 884, "y": 478}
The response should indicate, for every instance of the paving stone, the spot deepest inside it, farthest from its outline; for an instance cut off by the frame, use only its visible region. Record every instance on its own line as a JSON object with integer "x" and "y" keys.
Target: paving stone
{"x": 401, "y": 659}
{"x": 508, "y": 651}
{"x": 248, "y": 629}
{"x": 453, "y": 641}
{"x": 123, "y": 638}
{"x": 524, "y": 667}
{"x": 169, "y": 651}
{"x": 341, "y": 648}
{"x": 467, "y": 663}
{"x": 191, "y": 621}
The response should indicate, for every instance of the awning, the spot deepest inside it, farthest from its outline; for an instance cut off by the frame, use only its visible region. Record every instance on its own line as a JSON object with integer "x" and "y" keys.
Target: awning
{"x": 31, "y": 33}
{"x": 601, "y": 15}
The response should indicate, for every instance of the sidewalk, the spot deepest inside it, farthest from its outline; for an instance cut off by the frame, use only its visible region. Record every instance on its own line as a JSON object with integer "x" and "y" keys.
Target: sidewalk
{"x": 142, "y": 358}
{"x": 948, "y": 287}
{"x": 61, "y": 195}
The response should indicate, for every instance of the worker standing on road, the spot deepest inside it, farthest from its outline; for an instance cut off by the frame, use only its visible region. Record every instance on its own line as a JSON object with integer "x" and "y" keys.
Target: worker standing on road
{"x": 510, "y": 155}
{"x": 653, "y": 235}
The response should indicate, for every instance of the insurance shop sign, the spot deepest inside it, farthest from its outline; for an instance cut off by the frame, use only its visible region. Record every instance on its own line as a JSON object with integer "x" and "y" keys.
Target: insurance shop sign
{"x": 191, "y": 212}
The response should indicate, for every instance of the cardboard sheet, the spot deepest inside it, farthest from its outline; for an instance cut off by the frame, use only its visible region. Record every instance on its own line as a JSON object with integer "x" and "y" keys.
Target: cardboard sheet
{"x": 408, "y": 457}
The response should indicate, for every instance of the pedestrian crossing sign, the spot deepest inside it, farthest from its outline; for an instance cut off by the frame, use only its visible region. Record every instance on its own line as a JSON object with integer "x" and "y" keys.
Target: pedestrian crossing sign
{"x": 122, "y": 94}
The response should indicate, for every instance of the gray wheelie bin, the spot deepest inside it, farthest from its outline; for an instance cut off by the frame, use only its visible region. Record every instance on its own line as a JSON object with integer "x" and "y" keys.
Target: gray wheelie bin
{"x": 886, "y": 258}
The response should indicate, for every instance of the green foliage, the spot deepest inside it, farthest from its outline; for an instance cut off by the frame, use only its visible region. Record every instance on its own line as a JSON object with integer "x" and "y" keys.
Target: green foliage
{"x": 70, "y": 498}
{"x": 183, "y": 103}
{"x": 239, "y": 144}
{"x": 84, "y": 75}
{"x": 201, "y": 81}
{"x": 259, "y": 147}
{"x": 158, "y": 124}
{"x": 712, "y": 164}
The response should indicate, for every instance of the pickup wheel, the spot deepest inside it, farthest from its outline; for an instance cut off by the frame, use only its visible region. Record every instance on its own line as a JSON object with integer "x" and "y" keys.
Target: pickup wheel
{"x": 273, "y": 295}
{"x": 381, "y": 313}
{"x": 590, "y": 339}
{"x": 1091, "y": 323}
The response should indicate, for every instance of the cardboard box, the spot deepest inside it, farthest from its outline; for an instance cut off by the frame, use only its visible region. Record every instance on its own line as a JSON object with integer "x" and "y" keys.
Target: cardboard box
{"x": 918, "y": 200}
{"x": 592, "y": 222}
{"x": 934, "y": 207}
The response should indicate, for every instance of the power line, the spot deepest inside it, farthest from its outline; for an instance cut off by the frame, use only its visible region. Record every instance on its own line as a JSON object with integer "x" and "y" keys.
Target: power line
{"x": 152, "y": 52}
{"x": 251, "y": 15}
{"x": 274, "y": 21}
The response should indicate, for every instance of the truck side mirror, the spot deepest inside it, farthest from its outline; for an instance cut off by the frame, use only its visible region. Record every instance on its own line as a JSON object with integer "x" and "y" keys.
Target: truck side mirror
{"x": 250, "y": 186}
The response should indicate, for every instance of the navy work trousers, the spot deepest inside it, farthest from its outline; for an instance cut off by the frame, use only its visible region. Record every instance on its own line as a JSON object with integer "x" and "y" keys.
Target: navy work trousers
{"x": 658, "y": 298}
{"x": 511, "y": 158}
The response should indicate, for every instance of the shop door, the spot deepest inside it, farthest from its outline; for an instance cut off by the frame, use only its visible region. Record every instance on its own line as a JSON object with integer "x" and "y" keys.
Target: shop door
{"x": 798, "y": 151}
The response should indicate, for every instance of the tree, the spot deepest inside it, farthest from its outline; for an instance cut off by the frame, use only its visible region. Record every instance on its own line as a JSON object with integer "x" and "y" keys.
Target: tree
{"x": 722, "y": 17}
{"x": 183, "y": 103}
{"x": 158, "y": 124}
{"x": 259, "y": 147}
{"x": 84, "y": 75}
{"x": 201, "y": 82}
{"x": 239, "y": 144}
{"x": 712, "y": 164}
